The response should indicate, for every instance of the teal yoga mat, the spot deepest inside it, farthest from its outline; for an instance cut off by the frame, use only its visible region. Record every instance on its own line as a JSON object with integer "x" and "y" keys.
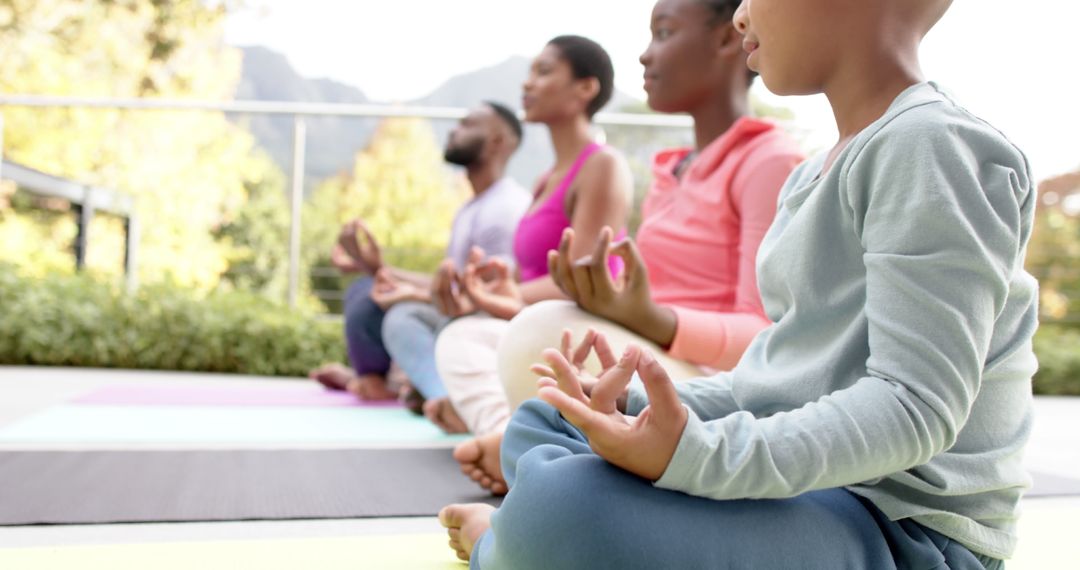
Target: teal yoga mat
{"x": 220, "y": 424}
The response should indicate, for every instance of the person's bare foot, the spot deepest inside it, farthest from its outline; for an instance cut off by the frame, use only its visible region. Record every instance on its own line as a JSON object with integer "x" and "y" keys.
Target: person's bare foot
{"x": 396, "y": 378}
{"x": 479, "y": 459}
{"x": 370, "y": 387}
{"x": 412, "y": 399}
{"x": 465, "y": 524}
{"x": 333, "y": 376}
{"x": 442, "y": 413}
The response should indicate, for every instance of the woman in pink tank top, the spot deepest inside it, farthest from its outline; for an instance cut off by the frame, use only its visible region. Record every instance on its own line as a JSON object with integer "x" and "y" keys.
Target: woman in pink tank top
{"x": 541, "y": 228}
{"x": 589, "y": 187}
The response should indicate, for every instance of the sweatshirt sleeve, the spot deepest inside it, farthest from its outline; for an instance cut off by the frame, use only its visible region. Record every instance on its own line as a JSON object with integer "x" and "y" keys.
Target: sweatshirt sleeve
{"x": 717, "y": 339}
{"x": 938, "y": 214}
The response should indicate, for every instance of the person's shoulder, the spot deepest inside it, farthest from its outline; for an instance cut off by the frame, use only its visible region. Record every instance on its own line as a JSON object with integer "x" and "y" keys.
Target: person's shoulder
{"x": 779, "y": 140}
{"x": 666, "y": 159}
{"x": 605, "y": 163}
{"x": 928, "y": 140}
{"x": 505, "y": 194}
{"x": 510, "y": 187}
{"x": 771, "y": 146}
{"x": 928, "y": 117}
{"x": 605, "y": 158}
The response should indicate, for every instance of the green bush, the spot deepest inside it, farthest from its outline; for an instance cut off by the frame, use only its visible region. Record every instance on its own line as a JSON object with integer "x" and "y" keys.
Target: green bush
{"x": 78, "y": 321}
{"x": 64, "y": 320}
{"x": 1058, "y": 349}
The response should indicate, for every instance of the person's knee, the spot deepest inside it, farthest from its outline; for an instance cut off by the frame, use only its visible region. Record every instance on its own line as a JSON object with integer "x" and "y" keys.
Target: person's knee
{"x": 531, "y": 417}
{"x": 542, "y": 521}
{"x": 448, "y": 345}
{"x": 537, "y": 423}
{"x": 445, "y": 352}
{"x": 536, "y": 328}
{"x": 358, "y": 304}
{"x": 540, "y": 324}
{"x": 400, "y": 319}
{"x": 361, "y": 287}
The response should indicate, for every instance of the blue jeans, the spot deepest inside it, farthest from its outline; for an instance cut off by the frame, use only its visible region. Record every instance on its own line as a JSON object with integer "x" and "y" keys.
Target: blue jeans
{"x": 409, "y": 332}
{"x": 363, "y": 329}
{"x": 568, "y": 508}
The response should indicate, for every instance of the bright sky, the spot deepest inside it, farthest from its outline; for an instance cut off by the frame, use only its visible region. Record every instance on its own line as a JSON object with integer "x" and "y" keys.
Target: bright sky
{"x": 1016, "y": 64}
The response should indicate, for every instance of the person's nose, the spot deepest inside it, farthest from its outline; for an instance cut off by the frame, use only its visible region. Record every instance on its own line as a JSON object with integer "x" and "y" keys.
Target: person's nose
{"x": 741, "y": 19}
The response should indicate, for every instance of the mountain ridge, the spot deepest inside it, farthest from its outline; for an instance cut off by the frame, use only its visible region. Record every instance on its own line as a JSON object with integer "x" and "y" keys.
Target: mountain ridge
{"x": 332, "y": 142}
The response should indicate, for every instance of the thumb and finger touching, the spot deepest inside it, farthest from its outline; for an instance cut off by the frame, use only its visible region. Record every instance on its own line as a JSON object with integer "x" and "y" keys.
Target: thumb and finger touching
{"x": 613, "y": 382}
{"x": 565, "y": 375}
{"x": 599, "y": 275}
{"x": 604, "y": 352}
{"x": 663, "y": 398}
{"x": 584, "y": 348}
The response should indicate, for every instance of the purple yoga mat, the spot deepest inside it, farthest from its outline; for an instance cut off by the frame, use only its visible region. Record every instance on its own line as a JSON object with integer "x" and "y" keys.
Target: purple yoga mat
{"x": 269, "y": 395}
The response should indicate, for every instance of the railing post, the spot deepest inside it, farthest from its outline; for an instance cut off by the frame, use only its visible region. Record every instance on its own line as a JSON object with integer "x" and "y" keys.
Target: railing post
{"x": 296, "y": 204}
{"x": 131, "y": 250}
{"x": 85, "y": 213}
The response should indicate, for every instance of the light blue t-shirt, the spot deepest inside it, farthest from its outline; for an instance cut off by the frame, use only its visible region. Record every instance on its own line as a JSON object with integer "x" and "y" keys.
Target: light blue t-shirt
{"x": 489, "y": 221}
{"x": 899, "y": 361}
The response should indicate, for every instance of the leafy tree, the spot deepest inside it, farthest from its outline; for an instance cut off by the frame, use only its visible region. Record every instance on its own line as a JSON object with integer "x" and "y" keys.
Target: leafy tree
{"x": 257, "y": 238}
{"x": 1053, "y": 255}
{"x": 402, "y": 190}
{"x": 187, "y": 170}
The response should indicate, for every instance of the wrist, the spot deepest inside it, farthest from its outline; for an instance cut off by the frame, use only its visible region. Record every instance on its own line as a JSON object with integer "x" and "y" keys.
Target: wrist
{"x": 658, "y": 324}
{"x": 506, "y": 308}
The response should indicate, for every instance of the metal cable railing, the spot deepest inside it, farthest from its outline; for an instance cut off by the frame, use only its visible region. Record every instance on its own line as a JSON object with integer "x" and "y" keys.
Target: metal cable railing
{"x": 299, "y": 111}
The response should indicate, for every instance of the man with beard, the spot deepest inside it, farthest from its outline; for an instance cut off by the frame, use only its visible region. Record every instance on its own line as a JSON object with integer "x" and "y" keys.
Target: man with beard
{"x": 400, "y": 301}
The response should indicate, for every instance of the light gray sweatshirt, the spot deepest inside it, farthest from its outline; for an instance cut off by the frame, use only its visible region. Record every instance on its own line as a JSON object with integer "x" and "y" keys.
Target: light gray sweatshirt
{"x": 899, "y": 361}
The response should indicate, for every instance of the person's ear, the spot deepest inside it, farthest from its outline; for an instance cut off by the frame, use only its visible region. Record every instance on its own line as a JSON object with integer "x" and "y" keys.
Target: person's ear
{"x": 588, "y": 89}
{"x": 499, "y": 141}
{"x": 728, "y": 42}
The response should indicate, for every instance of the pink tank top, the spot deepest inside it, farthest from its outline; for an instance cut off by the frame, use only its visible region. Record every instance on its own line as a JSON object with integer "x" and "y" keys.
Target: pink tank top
{"x": 540, "y": 230}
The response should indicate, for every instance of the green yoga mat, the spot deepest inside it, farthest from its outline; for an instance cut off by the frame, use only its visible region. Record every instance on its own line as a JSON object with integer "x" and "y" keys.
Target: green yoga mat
{"x": 1047, "y": 542}
{"x": 223, "y": 424}
{"x": 382, "y": 552}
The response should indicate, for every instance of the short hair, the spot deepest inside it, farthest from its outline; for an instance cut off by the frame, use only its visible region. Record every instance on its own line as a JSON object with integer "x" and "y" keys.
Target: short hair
{"x": 587, "y": 59}
{"x": 510, "y": 118}
{"x": 724, "y": 11}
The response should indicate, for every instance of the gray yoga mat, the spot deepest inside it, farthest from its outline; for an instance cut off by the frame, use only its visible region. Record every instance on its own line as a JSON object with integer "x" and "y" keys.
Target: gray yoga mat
{"x": 92, "y": 487}
{"x": 1047, "y": 485}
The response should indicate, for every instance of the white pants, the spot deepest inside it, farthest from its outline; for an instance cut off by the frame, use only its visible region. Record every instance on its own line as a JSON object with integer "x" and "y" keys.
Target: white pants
{"x": 484, "y": 361}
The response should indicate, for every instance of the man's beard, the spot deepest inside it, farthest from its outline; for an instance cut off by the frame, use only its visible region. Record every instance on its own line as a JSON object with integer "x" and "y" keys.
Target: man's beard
{"x": 464, "y": 155}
